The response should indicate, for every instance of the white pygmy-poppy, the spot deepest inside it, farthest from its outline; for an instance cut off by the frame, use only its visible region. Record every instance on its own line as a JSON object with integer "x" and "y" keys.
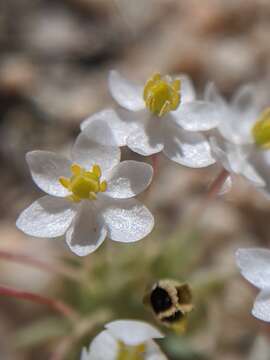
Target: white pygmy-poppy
{"x": 243, "y": 130}
{"x": 125, "y": 340}
{"x": 163, "y": 115}
{"x": 90, "y": 196}
{"x": 254, "y": 264}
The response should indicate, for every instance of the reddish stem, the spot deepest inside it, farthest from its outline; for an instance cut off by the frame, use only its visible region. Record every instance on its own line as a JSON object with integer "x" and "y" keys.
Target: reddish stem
{"x": 154, "y": 159}
{"x": 28, "y": 260}
{"x": 217, "y": 184}
{"x": 56, "y": 305}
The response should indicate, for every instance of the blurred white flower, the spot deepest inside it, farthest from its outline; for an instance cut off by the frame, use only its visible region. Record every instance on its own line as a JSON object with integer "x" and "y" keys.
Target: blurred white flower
{"x": 235, "y": 139}
{"x": 161, "y": 116}
{"x": 125, "y": 340}
{"x": 254, "y": 264}
{"x": 90, "y": 196}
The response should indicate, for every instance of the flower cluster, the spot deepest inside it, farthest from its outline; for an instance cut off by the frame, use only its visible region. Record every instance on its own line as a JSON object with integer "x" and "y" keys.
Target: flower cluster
{"x": 125, "y": 340}
{"x": 91, "y": 195}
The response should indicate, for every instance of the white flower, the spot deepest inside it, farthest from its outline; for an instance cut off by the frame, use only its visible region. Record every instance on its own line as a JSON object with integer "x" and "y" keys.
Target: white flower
{"x": 234, "y": 141}
{"x": 127, "y": 340}
{"x": 90, "y": 196}
{"x": 161, "y": 116}
{"x": 254, "y": 264}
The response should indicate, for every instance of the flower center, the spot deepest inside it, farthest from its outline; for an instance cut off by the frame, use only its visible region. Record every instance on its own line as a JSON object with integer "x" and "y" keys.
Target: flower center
{"x": 161, "y": 96}
{"x": 84, "y": 184}
{"x": 261, "y": 130}
{"x": 130, "y": 352}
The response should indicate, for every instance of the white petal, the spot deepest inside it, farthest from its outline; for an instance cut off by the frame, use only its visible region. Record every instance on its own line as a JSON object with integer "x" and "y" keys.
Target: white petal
{"x": 261, "y": 308}
{"x": 197, "y": 116}
{"x": 85, "y": 355}
{"x": 126, "y": 93}
{"x": 46, "y": 168}
{"x": 234, "y": 158}
{"x": 103, "y": 347}
{"x": 128, "y": 179}
{"x": 133, "y": 332}
{"x": 186, "y": 148}
{"x": 87, "y": 231}
{"x": 244, "y": 98}
{"x": 96, "y": 145}
{"x": 146, "y": 139}
{"x": 226, "y": 187}
{"x": 218, "y": 147}
{"x": 120, "y": 122}
{"x": 260, "y": 161}
{"x": 47, "y": 217}
{"x": 236, "y": 126}
{"x": 187, "y": 89}
{"x": 127, "y": 220}
{"x": 212, "y": 94}
{"x": 254, "y": 264}
{"x": 153, "y": 351}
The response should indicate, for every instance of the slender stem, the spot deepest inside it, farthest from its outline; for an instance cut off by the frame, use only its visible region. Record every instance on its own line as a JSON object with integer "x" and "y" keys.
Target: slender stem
{"x": 56, "y": 305}
{"x": 217, "y": 184}
{"x": 30, "y": 261}
{"x": 212, "y": 192}
{"x": 84, "y": 327}
{"x": 154, "y": 159}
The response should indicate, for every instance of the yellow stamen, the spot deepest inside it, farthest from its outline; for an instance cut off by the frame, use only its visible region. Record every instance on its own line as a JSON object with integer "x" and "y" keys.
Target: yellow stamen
{"x": 161, "y": 96}
{"x": 83, "y": 184}
{"x": 130, "y": 352}
{"x": 261, "y": 130}
{"x": 65, "y": 182}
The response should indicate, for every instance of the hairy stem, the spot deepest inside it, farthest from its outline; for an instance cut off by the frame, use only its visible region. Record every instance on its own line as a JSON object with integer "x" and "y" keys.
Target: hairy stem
{"x": 56, "y": 305}
{"x": 84, "y": 327}
{"x": 60, "y": 269}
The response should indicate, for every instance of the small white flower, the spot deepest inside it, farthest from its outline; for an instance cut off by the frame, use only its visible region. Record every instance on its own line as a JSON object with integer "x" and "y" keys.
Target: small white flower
{"x": 254, "y": 264}
{"x": 90, "y": 196}
{"x": 234, "y": 140}
{"x": 125, "y": 340}
{"x": 161, "y": 116}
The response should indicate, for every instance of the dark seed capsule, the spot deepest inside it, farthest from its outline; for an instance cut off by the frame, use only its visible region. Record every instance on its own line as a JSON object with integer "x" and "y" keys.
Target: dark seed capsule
{"x": 160, "y": 300}
{"x": 173, "y": 318}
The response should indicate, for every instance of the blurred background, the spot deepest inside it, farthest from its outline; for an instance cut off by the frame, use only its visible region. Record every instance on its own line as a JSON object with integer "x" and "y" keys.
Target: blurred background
{"x": 54, "y": 62}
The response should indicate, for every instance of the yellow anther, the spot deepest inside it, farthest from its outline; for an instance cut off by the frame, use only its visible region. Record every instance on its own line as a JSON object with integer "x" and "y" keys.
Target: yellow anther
{"x": 161, "y": 96}
{"x": 130, "y": 352}
{"x": 65, "y": 182}
{"x": 83, "y": 184}
{"x": 103, "y": 186}
{"x": 75, "y": 169}
{"x": 96, "y": 170}
{"x": 261, "y": 130}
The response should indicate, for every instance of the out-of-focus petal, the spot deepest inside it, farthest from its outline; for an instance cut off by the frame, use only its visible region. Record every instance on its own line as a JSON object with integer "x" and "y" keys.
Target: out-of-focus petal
{"x": 261, "y": 308}
{"x": 121, "y": 123}
{"x": 127, "y": 220}
{"x": 47, "y": 217}
{"x": 96, "y": 145}
{"x": 128, "y": 179}
{"x": 244, "y": 98}
{"x": 127, "y": 94}
{"x": 87, "y": 232}
{"x": 133, "y": 332}
{"x": 254, "y": 264}
{"x": 226, "y": 187}
{"x": 46, "y": 168}
{"x": 103, "y": 347}
{"x": 212, "y": 94}
{"x": 186, "y": 148}
{"x": 153, "y": 351}
{"x": 187, "y": 89}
